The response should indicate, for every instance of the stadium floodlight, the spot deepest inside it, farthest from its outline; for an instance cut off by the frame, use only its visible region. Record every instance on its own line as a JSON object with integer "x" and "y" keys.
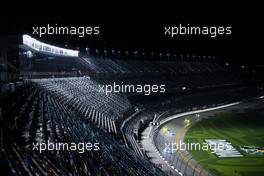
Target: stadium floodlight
{"x": 37, "y": 46}
{"x": 29, "y": 54}
{"x": 105, "y": 52}
{"x": 181, "y": 56}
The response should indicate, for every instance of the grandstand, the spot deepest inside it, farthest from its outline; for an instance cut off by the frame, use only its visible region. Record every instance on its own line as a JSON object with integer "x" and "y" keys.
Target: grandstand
{"x": 42, "y": 118}
{"x": 58, "y": 100}
{"x": 199, "y": 74}
{"x": 81, "y": 95}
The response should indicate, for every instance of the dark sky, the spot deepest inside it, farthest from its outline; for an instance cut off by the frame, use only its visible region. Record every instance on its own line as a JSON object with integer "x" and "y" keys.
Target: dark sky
{"x": 139, "y": 31}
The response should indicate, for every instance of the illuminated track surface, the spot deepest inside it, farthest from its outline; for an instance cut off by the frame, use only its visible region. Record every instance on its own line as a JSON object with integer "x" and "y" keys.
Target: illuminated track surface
{"x": 181, "y": 162}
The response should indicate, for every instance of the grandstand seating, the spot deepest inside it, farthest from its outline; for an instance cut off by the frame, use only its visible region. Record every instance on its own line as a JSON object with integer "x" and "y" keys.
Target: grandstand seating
{"x": 194, "y": 74}
{"x": 48, "y": 120}
{"x": 82, "y": 95}
{"x": 118, "y": 66}
{"x": 73, "y": 110}
{"x": 174, "y": 74}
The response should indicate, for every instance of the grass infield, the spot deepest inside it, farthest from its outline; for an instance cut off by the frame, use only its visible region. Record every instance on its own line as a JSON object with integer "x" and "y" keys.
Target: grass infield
{"x": 239, "y": 129}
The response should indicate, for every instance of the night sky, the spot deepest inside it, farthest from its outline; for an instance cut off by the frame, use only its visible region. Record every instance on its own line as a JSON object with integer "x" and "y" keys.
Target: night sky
{"x": 144, "y": 32}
